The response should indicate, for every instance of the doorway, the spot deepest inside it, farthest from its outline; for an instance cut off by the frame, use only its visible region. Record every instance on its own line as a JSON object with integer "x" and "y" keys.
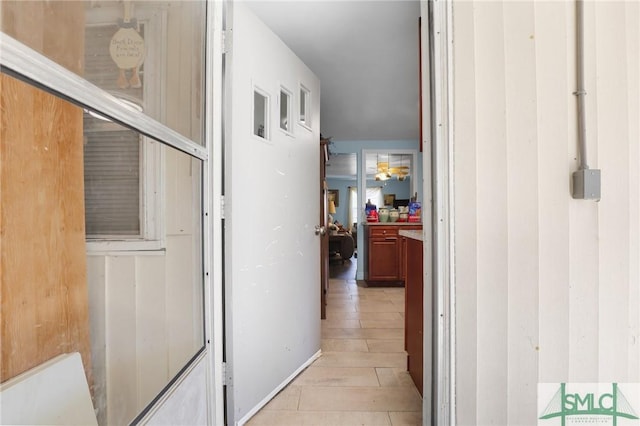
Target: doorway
{"x": 272, "y": 276}
{"x": 357, "y": 127}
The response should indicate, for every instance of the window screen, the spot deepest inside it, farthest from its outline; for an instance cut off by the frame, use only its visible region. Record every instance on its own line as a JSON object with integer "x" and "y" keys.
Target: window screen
{"x": 112, "y": 154}
{"x": 111, "y": 180}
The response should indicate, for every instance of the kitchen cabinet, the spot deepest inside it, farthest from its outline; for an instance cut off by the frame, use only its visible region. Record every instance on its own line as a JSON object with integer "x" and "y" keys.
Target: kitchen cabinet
{"x": 386, "y": 253}
{"x": 414, "y": 316}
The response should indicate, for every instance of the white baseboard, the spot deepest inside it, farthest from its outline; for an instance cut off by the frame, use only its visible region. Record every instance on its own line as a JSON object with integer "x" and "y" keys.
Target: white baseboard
{"x": 281, "y": 386}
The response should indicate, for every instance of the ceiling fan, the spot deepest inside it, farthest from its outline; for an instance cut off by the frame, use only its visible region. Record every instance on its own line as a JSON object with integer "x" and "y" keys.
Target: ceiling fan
{"x": 384, "y": 172}
{"x": 401, "y": 171}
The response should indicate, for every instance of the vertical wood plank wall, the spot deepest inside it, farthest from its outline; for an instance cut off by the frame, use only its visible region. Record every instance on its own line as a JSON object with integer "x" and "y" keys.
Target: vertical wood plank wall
{"x": 547, "y": 287}
{"x": 146, "y": 308}
{"x": 42, "y": 265}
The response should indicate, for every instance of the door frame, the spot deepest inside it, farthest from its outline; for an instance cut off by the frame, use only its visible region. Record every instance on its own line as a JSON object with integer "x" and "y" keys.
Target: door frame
{"x": 324, "y": 231}
{"x": 439, "y": 256}
{"x": 213, "y": 236}
{"x": 437, "y": 108}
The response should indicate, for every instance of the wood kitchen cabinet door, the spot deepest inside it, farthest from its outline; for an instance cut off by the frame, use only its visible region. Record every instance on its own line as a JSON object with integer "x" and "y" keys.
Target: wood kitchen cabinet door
{"x": 384, "y": 262}
{"x": 384, "y": 254}
{"x": 414, "y": 325}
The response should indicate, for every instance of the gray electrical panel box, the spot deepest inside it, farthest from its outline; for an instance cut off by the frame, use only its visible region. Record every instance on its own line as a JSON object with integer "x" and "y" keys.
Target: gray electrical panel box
{"x": 586, "y": 184}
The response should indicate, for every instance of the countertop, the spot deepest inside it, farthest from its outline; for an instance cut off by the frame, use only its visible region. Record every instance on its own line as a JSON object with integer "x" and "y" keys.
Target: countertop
{"x": 414, "y": 235}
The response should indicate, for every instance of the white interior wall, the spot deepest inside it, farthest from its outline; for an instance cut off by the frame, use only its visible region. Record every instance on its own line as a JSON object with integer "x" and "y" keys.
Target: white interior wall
{"x": 547, "y": 287}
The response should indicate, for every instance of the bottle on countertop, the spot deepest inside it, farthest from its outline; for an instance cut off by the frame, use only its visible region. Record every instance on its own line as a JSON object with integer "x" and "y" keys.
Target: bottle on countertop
{"x": 371, "y": 211}
{"x": 415, "y": 210}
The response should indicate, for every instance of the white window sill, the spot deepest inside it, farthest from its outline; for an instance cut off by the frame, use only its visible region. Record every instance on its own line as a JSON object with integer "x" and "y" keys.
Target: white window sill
{"x": 125, "y": 248}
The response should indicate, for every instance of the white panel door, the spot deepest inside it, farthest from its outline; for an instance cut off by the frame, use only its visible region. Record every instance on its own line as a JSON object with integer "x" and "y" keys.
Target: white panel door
{"x": 272, "y": 270}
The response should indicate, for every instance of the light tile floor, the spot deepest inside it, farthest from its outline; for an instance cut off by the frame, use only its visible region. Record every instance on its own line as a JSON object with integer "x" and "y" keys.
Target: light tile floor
{"x": 361, "y": 377}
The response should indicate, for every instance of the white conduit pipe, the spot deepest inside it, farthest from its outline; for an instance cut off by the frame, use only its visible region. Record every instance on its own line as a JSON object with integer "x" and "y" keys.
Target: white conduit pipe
{"x": 580, "y": 91}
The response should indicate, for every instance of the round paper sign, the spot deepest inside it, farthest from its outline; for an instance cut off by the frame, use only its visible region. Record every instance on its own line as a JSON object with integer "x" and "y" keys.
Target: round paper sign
{"x": 127, "y": 48}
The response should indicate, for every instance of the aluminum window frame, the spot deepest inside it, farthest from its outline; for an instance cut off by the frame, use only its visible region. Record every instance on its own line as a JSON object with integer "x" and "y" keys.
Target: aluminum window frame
{"x": 23, "y": 63}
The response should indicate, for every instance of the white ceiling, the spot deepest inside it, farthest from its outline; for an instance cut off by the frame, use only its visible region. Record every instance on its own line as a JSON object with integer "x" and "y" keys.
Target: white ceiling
{"x": 366, "y": 56}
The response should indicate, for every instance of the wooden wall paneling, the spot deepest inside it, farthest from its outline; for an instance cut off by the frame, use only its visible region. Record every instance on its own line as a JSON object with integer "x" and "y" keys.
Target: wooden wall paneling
{"x": 613, "y": 211}
{"x": 555, "y": 108}
{"x": 180, "y": 320}
{"x": 44, "y": 271}
{"x": 53, "y": 28}
{"x": 44, "y": 294}
{"x": 492, "y": 213}
{"x": 121, "y": 335}
{"x": 151, "y": 337}
{"x": 572, "y": 267}
{"x": 22, "y": 19}
{"x": 186, "y": 89}
{"x": 173, "y": 72}
{"x": 522, "y": 211}
{"x": 179, "y": 71}
{"x": 465, "y": 217}
{"x": 63, "y": 33}
{"x": 180, "y": 173}
{"x": 583, "y": 264}
{"x": 632, "y": 25}
{"x": 97, "y": 285}
{"x": 197, "y": 90}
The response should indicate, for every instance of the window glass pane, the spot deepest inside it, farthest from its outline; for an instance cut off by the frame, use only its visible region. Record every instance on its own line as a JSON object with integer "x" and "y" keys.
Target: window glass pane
{"x": 304, "y": 109}
{"x": 284, "y": 110}
{"x": 374, "y": 194}
{"x": 147, "y": 53}
{"x": 148, "y": 321}
{"x": 111, "y": 179}
{"x": 145, "y": 312}
{"x": 150, "y": 307}
{"x": 260, "y": 115}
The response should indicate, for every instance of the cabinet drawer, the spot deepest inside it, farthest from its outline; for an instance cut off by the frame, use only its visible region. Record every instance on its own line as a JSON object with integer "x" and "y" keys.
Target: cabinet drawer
{"x": 380, "y": 231}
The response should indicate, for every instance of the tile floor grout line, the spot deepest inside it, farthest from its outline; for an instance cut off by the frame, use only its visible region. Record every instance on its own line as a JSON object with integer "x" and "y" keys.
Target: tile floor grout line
{"x": 350, "y": 301}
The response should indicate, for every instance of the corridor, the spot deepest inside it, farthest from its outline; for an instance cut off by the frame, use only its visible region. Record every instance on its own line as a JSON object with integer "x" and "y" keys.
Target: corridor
{"x": 360, "y": 379}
